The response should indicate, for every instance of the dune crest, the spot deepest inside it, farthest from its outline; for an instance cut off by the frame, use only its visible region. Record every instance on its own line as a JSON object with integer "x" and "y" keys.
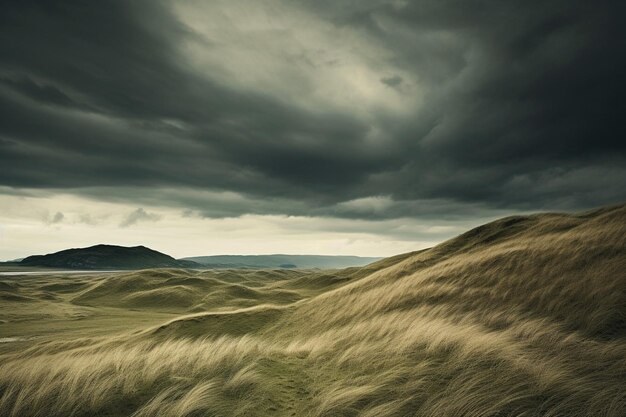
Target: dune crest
{"x": 524, "y": 316}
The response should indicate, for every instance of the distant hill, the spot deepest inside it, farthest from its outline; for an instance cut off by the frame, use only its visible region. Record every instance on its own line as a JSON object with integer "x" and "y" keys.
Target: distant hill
{"x": 14, "y": 260}
{"x": 281, "y": 261}
{"x": 107, "y": 257}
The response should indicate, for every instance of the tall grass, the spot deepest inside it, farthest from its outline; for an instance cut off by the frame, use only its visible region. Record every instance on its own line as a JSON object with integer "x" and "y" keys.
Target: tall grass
{"x": 173, "y": 377}
{"x": 521, "y": 317}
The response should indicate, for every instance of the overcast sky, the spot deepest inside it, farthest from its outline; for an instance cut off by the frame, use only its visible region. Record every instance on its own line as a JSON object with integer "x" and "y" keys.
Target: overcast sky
{"x": 302, "y": 126}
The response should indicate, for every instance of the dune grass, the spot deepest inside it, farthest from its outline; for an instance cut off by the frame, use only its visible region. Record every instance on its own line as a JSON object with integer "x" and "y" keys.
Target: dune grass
{"x": 525, "y": 316}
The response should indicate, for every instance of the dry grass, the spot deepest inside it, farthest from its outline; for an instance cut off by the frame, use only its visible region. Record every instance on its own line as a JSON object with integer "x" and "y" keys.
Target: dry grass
{"x": 525, "y": 316}
{"x": 167, "y": 378}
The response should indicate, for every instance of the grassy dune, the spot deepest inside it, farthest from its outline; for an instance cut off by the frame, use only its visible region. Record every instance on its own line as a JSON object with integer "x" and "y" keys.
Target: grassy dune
{"x": 525, "y": 316}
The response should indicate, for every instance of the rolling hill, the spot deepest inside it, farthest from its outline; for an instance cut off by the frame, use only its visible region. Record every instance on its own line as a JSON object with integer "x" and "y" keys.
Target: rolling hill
{"x": 281, "y": 261}
{"x": 523, "y": 317}
{"x": 106, "y": 257}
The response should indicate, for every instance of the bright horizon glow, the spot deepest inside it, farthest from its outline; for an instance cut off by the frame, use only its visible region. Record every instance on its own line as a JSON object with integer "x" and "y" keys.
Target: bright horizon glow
{"x": 39, "y": 225}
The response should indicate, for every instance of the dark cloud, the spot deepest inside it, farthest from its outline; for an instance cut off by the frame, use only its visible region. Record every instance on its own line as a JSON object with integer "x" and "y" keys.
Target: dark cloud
{"x": 393, "y": 82}
{"x": 511, "y": 104}
{"x": 55, "y": 218}
{"x": 39, "y": 91}
{"x": 139, "y": 215}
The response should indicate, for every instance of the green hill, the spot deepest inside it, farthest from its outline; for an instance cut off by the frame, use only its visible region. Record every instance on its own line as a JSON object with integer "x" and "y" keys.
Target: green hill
{"x": 106, "y": 257}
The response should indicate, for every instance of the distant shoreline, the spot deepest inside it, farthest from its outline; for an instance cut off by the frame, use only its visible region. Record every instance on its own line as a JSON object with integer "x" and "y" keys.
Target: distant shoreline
{"x": 29, "y": 271}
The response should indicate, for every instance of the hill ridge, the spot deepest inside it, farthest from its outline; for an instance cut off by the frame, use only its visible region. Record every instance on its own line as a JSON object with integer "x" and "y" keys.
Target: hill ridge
{"x": 105, "y": 256}
{"x": 283, "y": 261}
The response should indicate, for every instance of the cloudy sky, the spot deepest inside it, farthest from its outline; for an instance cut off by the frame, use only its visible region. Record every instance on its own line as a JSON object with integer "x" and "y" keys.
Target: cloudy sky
{"x": 368, "y": 127}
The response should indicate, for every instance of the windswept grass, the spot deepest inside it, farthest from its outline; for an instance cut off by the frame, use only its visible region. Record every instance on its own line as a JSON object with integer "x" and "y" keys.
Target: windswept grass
{"x": 525, "y": 316}
{"x": 174, "y": 377}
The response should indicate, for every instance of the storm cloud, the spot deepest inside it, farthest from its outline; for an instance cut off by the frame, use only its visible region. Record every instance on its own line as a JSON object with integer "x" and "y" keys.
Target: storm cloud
{"x": 139, "y": 215}
{"x": 371, "y": 109}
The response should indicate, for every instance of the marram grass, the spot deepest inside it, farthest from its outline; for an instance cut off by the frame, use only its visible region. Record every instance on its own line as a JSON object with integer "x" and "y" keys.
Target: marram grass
{"x": 525, "y": 316}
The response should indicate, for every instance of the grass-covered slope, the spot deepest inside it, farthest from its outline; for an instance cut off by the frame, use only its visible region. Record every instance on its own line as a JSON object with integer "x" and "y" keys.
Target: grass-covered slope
{"x": 525, "y": 316}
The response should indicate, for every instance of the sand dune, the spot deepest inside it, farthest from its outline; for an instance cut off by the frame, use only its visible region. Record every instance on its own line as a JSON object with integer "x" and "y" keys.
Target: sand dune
{"x": 525, "y": 316}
